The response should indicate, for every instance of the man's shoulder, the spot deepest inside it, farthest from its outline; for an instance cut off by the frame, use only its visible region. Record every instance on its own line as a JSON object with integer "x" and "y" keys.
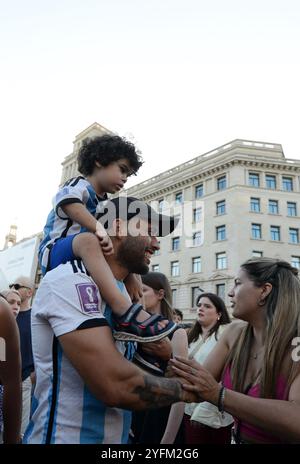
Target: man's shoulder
{"x": 67, "y": 298}
{"x": 60, "y": 285}
{"x": 66, "y": 269}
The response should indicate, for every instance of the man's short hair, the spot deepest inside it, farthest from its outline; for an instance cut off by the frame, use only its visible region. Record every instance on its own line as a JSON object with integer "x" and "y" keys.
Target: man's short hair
{"x": 24, "y": 281}
{"x": 126, "y": 208}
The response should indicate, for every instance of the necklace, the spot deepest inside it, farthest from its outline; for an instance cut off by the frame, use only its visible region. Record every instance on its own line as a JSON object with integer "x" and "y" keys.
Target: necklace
{"x": 255, "y": 355}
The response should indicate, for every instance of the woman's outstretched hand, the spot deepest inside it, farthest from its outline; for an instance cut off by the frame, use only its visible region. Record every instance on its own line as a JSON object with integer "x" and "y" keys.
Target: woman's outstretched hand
{"x": 195, "y": 379}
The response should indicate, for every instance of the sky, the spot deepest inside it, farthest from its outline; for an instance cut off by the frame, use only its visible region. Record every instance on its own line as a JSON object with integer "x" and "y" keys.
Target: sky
{"x": 179, "y": 77}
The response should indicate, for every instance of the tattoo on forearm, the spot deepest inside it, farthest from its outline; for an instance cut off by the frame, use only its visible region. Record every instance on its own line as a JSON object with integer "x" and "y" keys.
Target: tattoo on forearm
{"x": 158, "y": 392}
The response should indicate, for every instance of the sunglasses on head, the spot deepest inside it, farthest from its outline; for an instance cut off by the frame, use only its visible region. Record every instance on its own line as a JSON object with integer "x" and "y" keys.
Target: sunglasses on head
{"x": 18, "y": 286}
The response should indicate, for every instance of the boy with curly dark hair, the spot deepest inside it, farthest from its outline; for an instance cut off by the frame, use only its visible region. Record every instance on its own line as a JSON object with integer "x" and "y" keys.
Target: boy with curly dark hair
{"x": 72, "y": 231}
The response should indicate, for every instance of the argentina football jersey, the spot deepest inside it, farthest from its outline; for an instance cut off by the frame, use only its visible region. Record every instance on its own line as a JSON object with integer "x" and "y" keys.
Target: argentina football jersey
{"x": 64, "y": 410}
{"x": 59, "y": 225}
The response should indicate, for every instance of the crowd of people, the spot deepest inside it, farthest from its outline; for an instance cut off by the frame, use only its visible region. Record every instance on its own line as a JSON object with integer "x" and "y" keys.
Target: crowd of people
{"x": 102, "y": 356}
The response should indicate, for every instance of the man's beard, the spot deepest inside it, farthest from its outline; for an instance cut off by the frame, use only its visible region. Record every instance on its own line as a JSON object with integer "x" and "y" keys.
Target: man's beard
{"x": 131, "y": 255}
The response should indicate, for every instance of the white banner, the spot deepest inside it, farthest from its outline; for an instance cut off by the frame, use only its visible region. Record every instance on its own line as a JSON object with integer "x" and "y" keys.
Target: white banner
{"x": 19, "y": 260}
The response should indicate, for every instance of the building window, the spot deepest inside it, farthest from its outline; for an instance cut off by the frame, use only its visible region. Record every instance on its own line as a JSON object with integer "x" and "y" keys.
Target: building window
{"x": 220, "y": 291}
{"x": 257, "y": 254}
{"x": 197, "y": 239}
{"x": 199, "y": 191}
{"x": 195, "y": 294}
{"x": 256, "y": 231}
{"x": 178, "y": 198}
{"x": 255, "y": 205}
{"x": 221, "y": 260}
{"x": 155, "y": 268}
{"x": 175, "y": 268}
{"x": 275, "y": 233}
{"x": 294, "y": 235}
{"x": 161, "y": 204}
{"x": 197, "y": 212}
{"x": 270, "y": 181}
{"x": 221, "y": 207}
{"x": 291, "y": 209}
{"x": 157, "y": 252}
{"x": 221, "y": 183}
{"x": 221, "y": 233}
{"x": 287, "y": 184}
{"x": 175, "y": 243}
{"x": 174, "y": 297}
{"x": 253, "y": 179}
{"x": 296, "y": 261}
{"x": 273, "y": 207}
{"x": 196, "y": 264}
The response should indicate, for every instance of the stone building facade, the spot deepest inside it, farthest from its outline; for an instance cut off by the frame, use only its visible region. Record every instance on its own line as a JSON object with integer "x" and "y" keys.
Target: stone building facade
{"x": 237, "y": 201}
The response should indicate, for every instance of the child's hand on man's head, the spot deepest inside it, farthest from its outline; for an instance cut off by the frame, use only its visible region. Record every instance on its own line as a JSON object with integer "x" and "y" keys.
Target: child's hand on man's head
{"x": 104, "y": 239}
{"x": 106, "y": 245}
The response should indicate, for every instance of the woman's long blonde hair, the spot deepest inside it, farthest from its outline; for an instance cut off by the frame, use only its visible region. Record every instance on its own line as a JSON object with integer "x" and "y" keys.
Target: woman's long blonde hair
{"x": 282, "y": 325}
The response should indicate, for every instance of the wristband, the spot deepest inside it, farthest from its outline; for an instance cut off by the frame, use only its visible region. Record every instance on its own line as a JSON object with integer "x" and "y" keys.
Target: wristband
{"x": 221, "y": 400}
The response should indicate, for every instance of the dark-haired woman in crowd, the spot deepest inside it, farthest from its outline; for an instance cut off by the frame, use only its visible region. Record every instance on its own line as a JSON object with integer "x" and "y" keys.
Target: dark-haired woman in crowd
{"x": 258, "y": 359}
{"x": 203, "y": 422}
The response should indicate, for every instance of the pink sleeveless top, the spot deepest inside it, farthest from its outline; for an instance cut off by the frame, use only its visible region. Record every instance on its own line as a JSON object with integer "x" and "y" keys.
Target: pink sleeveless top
{"x": 249, "y": 430}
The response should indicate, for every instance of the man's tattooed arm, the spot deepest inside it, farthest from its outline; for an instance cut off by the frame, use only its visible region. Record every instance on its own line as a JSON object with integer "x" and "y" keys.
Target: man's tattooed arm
{"x": 158, "y": 392}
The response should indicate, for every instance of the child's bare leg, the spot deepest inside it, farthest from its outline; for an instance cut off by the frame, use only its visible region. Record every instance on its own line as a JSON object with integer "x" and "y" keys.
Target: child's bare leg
{"x": 87, "y": 247}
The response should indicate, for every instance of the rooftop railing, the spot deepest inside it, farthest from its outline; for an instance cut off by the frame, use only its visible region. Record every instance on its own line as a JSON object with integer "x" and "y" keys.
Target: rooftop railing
{"x": 211, "y": 154}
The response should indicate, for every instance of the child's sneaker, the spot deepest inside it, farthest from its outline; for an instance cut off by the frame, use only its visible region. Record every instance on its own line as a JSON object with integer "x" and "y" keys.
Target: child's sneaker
{"x": 127, "y": 328}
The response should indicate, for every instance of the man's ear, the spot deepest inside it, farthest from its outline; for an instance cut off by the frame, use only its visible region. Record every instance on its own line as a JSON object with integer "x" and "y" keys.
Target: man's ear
{"x": 98, "y": 165}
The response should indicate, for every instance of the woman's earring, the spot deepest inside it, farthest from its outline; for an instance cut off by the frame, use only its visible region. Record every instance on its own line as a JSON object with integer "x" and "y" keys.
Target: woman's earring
{"x": 262, "y": 302}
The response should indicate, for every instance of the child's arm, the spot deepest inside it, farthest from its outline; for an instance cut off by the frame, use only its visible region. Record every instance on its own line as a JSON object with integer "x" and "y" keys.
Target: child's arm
{"x": 78, "y": 213}
{"x": 180, "y": 348}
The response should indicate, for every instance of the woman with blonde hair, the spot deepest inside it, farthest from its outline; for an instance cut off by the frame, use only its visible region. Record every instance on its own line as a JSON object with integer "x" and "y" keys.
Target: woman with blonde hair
{"x": 13, "y": 298}
{"x": 256, "y": 359}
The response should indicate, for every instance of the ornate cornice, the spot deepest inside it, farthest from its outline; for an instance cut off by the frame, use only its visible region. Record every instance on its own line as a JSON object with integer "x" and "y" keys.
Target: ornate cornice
{"x": 145, "y": 190}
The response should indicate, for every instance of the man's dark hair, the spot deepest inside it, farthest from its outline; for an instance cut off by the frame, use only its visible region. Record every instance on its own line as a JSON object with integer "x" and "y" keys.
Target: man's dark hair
{"x": 221, "y": 309}
{"x": 106, "y": 150}
{"x": 178, "y": 313}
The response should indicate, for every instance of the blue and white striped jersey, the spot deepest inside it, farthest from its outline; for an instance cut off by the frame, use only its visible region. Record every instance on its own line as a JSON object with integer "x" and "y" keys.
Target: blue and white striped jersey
{"x": 59, "y": 225}
{"x": 63, "y": 408}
